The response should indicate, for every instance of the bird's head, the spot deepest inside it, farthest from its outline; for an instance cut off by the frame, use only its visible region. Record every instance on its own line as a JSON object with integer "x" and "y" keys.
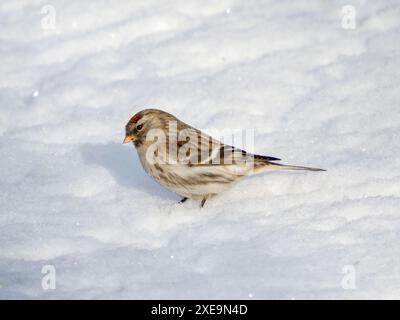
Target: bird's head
{"x": 142, "y": 122}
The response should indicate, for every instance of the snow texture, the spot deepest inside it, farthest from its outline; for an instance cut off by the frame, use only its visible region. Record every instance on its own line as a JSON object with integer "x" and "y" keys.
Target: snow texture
{"x": 316, "y": 92}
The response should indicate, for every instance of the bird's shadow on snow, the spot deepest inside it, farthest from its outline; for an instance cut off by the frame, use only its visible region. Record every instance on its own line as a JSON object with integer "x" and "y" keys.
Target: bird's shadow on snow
{"x": 124, "y": 164}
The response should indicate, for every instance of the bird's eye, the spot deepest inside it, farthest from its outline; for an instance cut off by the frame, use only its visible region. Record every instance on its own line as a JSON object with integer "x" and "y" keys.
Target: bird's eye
{"x": 139, "y": 127}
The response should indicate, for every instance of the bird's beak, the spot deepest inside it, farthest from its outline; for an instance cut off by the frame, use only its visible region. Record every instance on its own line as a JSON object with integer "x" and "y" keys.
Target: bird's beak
{"x": 130, "y": 138}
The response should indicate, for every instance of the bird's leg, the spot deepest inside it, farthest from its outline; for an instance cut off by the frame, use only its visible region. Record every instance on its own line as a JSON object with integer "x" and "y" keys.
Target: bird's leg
{"x": 203, "y": 202}
{"x": 208, "y": 196}
{"x": 183, "y": 200}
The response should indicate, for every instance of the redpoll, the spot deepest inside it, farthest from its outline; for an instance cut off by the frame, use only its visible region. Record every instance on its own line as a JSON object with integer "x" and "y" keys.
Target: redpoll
{"x": 189, "y": 162}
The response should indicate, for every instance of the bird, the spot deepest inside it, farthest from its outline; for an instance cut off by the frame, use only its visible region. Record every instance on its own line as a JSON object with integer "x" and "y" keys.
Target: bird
{"x": 189, "y": 162}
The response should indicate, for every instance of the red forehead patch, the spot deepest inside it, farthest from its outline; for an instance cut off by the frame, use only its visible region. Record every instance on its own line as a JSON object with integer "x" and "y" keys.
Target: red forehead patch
{"x": 136, "y": 118}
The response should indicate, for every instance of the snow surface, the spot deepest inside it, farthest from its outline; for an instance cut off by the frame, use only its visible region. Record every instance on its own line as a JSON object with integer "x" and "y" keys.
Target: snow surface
{"x": 315, "y": 93}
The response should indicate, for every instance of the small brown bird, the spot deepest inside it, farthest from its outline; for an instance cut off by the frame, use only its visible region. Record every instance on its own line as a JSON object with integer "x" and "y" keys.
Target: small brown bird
{"x": 187, "y": 161}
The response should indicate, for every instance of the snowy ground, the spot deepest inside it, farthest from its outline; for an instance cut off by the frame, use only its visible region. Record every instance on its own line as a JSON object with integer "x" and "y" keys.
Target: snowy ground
{"x": 73, "y": 197}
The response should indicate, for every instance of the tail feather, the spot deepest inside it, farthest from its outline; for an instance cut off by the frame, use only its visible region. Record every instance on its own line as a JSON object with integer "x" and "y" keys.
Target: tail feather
{"x": 264, "y": 166}
{"x": 265, "y": 158}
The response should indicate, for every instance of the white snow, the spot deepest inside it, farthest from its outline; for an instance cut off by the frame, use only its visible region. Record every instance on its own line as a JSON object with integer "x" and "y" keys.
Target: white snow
{"x": 315, "y": 93}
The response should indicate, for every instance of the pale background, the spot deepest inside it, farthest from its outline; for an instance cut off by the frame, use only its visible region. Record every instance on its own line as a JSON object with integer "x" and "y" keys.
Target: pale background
{"x": 316, "y": 93}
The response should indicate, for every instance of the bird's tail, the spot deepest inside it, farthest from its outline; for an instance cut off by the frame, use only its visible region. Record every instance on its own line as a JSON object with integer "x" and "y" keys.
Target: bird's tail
{"x": 267, "y": 166}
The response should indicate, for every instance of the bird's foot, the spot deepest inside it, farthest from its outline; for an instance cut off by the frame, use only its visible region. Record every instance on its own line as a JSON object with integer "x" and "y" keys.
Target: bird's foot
{"x": 183, "y": 200}
{"x": 203, "y": 202}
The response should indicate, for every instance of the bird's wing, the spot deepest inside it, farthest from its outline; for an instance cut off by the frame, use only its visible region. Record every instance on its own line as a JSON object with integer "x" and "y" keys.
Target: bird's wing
{"x": 205, "y": 152}
{"x": 239, "y": 155}
{"x": 196, "y": 148}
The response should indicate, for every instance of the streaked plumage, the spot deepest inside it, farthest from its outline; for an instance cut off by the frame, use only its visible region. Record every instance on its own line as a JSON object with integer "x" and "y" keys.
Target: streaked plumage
{"x": 202, "y": 167}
